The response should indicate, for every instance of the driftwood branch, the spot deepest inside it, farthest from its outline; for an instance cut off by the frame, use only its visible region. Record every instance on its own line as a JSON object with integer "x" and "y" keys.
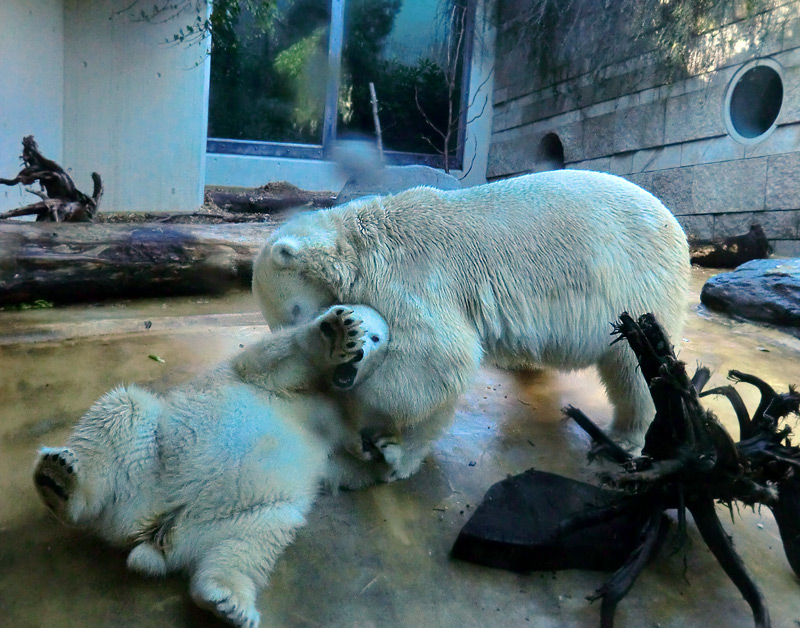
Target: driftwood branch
{"x": 689, "y": 461}
{"x": 61, "y": 200}
{"x": 373, "y": 97}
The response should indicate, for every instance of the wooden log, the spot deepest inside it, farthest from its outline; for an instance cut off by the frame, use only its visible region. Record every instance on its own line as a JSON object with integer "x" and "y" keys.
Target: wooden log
{"x": 730, "y": 252}
{"x": 270, "y": 198}
{"x": 83, "y": 262}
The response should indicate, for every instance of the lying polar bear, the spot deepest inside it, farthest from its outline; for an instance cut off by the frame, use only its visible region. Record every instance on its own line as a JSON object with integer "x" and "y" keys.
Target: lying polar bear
{"x": 526, "y": 272}
{"x": 214, "y": 477}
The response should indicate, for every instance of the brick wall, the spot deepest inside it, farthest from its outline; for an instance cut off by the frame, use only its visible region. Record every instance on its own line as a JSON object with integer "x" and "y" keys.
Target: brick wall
{"x": 616, "y": 107}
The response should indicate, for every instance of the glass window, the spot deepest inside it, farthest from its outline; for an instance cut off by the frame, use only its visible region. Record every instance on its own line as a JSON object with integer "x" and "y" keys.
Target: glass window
{"x": 269, "y": 70}
{"x": 270, "y": 75}
{"x": 412, "y": 51}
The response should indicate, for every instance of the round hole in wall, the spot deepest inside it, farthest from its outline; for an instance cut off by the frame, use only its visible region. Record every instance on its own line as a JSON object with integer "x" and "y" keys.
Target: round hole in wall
{"x": 754, "y": 100}
{"x": 551, "y": 152}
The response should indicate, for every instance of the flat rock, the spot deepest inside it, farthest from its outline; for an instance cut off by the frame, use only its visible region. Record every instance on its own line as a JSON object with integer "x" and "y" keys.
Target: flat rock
{"x": 517, "y": 527}
{"x": 766, "y": 290}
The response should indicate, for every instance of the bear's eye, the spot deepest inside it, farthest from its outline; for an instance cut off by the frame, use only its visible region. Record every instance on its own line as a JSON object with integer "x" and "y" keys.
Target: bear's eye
{"x": 374, "y": 339}
{"x": 295, "y": 311}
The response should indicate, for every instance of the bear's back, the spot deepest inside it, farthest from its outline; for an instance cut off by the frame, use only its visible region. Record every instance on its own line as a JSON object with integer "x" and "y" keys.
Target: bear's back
{"x": 538, "y": 255}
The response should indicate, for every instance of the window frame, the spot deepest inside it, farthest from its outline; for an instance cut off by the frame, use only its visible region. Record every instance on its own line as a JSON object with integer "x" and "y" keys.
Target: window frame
{"x": 260, "y": 148}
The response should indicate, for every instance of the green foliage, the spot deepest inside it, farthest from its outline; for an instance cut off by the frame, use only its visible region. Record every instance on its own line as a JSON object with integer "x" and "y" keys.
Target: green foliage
{"x": 398, "y": 85}
{"x": 670, "y": 28}
{"x": 38, "y": 304}
{"x": 268, "y": 72}
{"x": 269, "y": 68}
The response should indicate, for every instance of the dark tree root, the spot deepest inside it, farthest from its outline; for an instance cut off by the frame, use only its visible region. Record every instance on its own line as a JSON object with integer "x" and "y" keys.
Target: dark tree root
{"x": 705, "y": 516}
{"x": 61, "y": 200}
{"x": 689, "y": 461}
{"x": 622, "y": 580}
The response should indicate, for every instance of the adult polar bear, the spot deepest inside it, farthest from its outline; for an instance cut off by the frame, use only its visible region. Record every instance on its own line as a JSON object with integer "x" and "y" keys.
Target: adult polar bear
{"x": 528, "y": 271}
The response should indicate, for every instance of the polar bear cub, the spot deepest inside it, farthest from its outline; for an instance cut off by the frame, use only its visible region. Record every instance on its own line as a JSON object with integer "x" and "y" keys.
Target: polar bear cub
{"x": 214, "y": 478}
{"x": 525, "y": 272}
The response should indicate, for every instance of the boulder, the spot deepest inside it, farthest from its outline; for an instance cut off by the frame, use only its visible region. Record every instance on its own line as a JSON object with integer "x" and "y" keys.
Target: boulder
{"x": 766, "y": 290}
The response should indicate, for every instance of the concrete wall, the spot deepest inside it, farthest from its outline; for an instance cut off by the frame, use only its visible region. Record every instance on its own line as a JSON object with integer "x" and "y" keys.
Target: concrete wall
{"x": 104, "y": 95}
{"x": 135, "y": 109}
{"x": 623, "y": 112}
{"x": 250, "y": 171}
{"x": 31, "y": 92}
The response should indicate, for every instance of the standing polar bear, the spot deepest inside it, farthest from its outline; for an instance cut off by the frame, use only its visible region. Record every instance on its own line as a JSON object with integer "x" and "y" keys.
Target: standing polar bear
{"x": 214, "y": 477}
{"x": 527, "y": 272}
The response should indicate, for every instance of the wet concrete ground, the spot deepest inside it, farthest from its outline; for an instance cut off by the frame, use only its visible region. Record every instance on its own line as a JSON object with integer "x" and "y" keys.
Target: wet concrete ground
{"x": 376, "y": 558}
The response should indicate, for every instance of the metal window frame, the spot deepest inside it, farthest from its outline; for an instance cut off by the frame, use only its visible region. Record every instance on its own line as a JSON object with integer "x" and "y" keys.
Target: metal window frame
{"x": 256, "y": 148}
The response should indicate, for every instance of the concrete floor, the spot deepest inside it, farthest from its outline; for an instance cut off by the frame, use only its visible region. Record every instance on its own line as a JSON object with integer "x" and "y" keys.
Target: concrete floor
{"x": 376, "y": 558}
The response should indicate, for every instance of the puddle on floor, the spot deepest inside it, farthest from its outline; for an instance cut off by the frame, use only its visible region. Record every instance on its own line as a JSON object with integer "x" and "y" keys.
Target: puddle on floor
{"x": 373, "y": 558}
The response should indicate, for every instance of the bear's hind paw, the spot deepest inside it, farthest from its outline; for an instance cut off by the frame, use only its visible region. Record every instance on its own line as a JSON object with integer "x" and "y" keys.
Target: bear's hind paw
{"x": 55, "y": 477}
{"x": 147, "y": 559}
{"x": 225, "y": 603}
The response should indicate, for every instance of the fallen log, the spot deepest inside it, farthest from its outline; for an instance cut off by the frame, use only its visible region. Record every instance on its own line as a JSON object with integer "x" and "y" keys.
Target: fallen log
{"x": 269, "y": 198}
{"x": 730, "y": 252}
{"x": 85, "y": 262}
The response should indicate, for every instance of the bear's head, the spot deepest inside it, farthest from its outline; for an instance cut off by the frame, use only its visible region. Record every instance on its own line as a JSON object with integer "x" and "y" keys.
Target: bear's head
{"x": 303, "y": 268}
{"x": 102, "y": 480}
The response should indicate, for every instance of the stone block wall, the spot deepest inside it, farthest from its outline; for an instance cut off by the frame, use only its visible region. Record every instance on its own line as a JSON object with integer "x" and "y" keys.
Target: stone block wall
{"x": 617, "y": 107}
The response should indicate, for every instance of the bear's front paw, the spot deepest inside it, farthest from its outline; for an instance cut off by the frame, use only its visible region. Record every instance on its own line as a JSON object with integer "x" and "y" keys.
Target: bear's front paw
{"x": 343, "y": 338}
{"x": 56, "y": 476}
{"x": 386, "y": 448}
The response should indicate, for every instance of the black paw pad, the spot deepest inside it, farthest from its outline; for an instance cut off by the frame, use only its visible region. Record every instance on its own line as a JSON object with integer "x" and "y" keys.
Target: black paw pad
{"x": 46, "y": 481}
{"x": 326, "y": 328}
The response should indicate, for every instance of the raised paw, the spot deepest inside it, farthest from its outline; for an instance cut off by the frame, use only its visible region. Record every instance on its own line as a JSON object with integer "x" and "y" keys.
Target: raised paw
{"x": 55, "y": 477}
{"x": 211, "y": 594}
{"x": 343, "y": 335}
{"x": 356, "y": 338}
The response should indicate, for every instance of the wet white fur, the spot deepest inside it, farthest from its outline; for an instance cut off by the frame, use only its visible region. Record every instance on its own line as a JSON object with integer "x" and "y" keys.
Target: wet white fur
{"x": 214, "y": 478}
{"x": 525, "y": 272}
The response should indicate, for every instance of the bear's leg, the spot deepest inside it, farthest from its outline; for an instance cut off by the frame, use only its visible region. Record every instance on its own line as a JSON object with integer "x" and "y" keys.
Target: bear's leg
{"x": 349, "y": 471}
{"x": 231, "y": 558}
{"x": 337, "y": 345}
{"x": 56, "y": 477}
{"x": 405, "y": 455}
{"x": 410, "y": 399}
{"x": 627, "y": 391}
{"x": 228, "y": 594}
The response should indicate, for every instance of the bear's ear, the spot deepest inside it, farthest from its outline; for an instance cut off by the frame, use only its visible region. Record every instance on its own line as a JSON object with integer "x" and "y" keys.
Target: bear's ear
{"x": 284, "y": 252}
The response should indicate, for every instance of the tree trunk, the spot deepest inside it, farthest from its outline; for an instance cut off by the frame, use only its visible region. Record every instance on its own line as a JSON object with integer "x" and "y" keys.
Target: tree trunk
{"x": 82, "y": 262}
